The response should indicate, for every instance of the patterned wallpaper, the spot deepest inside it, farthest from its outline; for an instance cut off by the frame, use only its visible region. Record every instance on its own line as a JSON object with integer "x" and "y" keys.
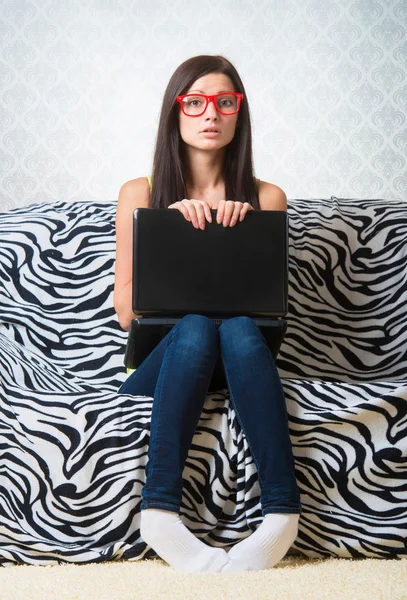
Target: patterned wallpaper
{"x": 82, "y": 83}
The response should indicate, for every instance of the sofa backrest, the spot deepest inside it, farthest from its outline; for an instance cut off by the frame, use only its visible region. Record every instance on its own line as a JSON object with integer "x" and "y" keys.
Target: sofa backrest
{"x": 56, "y": 287}
{"x": 348, "y": 290}
{"x": 347, "y": 293}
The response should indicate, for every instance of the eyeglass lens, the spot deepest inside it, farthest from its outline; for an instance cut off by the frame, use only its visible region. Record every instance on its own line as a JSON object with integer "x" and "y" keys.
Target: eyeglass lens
{"x": 196, "y": 105}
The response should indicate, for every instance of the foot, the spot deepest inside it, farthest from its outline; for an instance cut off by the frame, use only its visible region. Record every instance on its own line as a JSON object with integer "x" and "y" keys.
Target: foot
{"x": 266, "y": 546}
{"x": 164, "y": 531}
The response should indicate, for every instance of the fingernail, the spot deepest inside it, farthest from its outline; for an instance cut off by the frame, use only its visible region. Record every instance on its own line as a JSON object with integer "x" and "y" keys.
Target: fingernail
{"x": 224, "y": 223}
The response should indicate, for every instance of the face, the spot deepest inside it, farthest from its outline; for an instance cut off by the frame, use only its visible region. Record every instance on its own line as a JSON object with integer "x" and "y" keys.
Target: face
{"x": 192, "y": 129}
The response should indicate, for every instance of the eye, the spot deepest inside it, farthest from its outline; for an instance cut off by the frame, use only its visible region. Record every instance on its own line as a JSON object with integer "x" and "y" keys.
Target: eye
{"x": 193, "y": 101}
{"x": 227, "y": 103}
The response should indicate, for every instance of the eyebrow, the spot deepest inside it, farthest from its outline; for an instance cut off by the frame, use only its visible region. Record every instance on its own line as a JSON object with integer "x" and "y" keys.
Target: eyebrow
{"x": 201, "y": 92}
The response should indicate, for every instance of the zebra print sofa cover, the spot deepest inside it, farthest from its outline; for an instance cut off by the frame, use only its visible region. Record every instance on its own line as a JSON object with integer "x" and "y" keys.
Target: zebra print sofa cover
{"x": 73, "y": 451}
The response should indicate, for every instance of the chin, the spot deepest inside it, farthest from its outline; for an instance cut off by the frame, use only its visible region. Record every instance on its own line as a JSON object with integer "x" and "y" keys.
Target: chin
{"x": 212, "y": 144}
{"x": 204, "y": 147}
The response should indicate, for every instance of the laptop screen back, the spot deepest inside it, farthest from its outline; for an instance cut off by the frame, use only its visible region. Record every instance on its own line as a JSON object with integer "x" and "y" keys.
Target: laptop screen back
{"x": 222, "y": 271}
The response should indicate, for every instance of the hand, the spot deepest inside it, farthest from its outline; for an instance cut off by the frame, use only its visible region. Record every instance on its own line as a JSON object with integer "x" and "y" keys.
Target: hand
{"x": 229, "y": 211}
{"x": 195, "y": 211}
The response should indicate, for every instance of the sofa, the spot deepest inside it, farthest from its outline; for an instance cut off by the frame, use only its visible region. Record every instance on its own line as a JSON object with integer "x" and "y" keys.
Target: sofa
{"x": 73, "y": 451}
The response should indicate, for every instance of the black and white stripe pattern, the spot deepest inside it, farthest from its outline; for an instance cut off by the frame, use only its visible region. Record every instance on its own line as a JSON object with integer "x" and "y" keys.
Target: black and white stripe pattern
{"x": 348, "y": 290}
{"x": 73, "y": 451}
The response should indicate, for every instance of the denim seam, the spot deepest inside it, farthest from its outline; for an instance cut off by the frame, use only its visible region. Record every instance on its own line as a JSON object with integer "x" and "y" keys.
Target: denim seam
{"x": 158, "y": 504}
{"x": 279, "y": 505}
{"x": 282, "y": 510}
{"x": 159, "y": 406}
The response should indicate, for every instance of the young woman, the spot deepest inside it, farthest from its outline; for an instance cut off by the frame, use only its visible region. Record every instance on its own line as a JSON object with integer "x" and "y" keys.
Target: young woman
{"x": 203, "y": 160}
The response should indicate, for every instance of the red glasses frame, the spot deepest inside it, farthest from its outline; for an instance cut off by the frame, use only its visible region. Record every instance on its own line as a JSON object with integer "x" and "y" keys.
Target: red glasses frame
{"x": 208, "y": 99}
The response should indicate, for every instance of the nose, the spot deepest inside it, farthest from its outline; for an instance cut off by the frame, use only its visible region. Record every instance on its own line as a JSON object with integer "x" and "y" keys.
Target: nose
{"x": 211, "y": 111}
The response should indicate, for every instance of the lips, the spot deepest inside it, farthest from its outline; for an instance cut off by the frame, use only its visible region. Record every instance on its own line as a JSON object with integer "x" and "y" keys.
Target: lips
{"x": 210, "y": 130}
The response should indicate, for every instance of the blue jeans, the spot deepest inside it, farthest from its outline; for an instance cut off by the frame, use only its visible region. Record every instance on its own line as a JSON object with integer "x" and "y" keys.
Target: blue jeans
{"x": 177, "y": 374}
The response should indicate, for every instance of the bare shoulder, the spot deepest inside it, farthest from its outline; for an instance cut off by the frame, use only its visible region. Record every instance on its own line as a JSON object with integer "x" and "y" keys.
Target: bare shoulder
{"x": 134, "y": 194}
{"x": 271, "y": 197}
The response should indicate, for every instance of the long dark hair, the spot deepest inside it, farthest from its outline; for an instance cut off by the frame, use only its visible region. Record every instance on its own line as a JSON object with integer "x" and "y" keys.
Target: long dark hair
{"x": 168, "y": 166}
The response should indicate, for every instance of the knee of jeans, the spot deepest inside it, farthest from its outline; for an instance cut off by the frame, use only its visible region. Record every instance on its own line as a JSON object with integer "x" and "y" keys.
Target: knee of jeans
{"x": 241, "y": 332}
{"x": 241, "y": 326}
{"x": 197, "y": 321}
{"x": 198, "y": 331}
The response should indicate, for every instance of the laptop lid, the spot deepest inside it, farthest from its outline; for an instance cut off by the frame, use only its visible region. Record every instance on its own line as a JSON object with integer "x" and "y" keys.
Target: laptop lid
{"x": 222, "y": 271}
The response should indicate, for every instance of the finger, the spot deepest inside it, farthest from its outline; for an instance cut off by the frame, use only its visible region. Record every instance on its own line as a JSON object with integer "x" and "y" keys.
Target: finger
{"x": 190, "y": 209}
{"x": 182, "y": 206}
{"x": 229, "y": 208}
{"x": 206, "y": 207}
{"x": 220, "y": 212}
{"x": 179, "y": 206}
{"x": 200, "y": 211}
{"x": 236, "y": 212}
{"x": 245, "y": 210}
{"x": 193, "y": 215}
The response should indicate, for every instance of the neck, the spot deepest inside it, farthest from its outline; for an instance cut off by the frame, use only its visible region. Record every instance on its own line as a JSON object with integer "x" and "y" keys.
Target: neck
{"x": 204, "y": 175}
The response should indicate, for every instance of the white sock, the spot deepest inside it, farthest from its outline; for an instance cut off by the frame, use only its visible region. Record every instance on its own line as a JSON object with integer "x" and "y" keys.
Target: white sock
{"x": 266, "y": 546}
{"x": 164, "y": 531}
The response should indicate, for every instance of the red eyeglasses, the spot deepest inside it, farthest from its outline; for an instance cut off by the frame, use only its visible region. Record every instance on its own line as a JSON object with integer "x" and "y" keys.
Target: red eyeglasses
{"x": 194, "y": 105}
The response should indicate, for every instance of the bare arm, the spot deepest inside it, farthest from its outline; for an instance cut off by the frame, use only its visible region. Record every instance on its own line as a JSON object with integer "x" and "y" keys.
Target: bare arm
{"x": 133, "y": 194}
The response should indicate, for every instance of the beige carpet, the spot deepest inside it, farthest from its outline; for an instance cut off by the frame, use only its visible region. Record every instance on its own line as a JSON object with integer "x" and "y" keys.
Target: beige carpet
{"x": 293, "y": 579}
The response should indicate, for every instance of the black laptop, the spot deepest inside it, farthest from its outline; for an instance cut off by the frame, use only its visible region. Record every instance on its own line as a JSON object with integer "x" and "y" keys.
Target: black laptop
{"x": 219, "y": 272}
